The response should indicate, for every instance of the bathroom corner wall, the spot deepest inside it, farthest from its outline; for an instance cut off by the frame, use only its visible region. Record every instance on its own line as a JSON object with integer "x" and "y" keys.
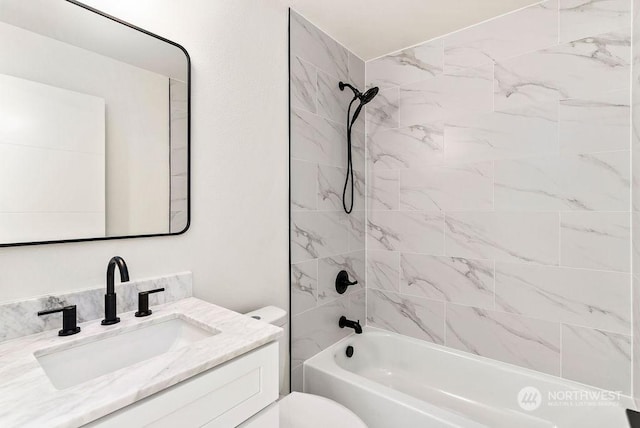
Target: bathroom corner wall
{"x": 498, "y": 191}
{"x": 324, "y": 239}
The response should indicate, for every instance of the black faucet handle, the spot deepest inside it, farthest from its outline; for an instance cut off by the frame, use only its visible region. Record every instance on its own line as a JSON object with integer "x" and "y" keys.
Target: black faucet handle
{"x": 342, "y": 282}
{"x": 69, "y": 319}
{"x": 143, "y": 302}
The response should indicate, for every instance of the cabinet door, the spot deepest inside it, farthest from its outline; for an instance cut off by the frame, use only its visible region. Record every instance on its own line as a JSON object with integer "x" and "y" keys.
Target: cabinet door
{"x": 222, "y": 397}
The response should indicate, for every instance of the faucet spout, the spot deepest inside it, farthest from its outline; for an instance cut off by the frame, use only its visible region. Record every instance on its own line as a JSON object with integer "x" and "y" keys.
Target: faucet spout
{"x": 355, "y": 325}
{"x": 111, "y": 267}
{"x": 110, "y": 310}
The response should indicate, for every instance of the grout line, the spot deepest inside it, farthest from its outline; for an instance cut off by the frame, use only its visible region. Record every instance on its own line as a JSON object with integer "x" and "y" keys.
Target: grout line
{"x": 561, "y": 350}
{"x": 559, "y": 238}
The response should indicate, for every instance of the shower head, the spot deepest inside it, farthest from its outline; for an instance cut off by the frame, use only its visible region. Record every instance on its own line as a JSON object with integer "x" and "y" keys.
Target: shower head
{"x": 364, "y": 98}
{"x": 369, "y": 95}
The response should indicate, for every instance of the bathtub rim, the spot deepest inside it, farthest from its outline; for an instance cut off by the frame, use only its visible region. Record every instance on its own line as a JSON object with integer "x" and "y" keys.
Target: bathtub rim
{"x": 469, "y": 356}
{"x": 325, "y": 363}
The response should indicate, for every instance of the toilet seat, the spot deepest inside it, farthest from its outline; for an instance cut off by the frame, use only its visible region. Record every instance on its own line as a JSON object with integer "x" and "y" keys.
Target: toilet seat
{"x": 299, "y": 410}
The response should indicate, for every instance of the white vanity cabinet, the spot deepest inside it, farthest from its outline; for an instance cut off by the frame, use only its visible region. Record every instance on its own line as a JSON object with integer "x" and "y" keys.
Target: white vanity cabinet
{"x": 221, "y": 397}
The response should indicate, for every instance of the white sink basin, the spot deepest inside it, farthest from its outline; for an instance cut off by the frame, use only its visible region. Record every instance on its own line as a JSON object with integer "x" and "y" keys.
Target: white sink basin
{"x": 73, "y": 366}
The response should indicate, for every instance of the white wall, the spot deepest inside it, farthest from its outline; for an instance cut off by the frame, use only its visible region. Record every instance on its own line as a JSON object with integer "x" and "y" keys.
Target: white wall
{"x": 137, "y": 139}
{"x": 237, "y": 246}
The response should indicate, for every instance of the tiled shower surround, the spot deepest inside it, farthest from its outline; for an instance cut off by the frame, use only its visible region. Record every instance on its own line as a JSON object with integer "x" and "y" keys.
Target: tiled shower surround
{"x": 498, "y": 191}
{"x": 324, "y": 240}
{"x": 498, "y": 217}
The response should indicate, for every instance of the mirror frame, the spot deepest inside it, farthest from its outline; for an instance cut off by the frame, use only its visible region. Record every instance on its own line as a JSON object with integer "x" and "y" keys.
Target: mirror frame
{"x": 186, "y": 54}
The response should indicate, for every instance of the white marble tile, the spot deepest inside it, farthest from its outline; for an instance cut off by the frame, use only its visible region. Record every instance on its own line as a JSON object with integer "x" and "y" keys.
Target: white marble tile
{"x": 318, "y": 140}
{"x": 358, "y": 306}
{"x": 521, "y": 132}
{"x": 636, "y": 335}
{"x": 331, "y": 181}
{"x": 450, "y": 279}
{"x": 595, "y": 299}
{"x": 317, "y": 234}
{"x": 571, "y": 70}
{"x": 179, "y": 216}
{"x": 526, "y": 342}
{"x": 596, "y": 240}
{"x": 304, "y": 185}
{"x": 408, "y": 315}
{"x": 356, "y": 71}
{"x": 505, "y": 236}
{"x": 635, "y": 160}
{"x": 418, "y": 232}
{"x": 179, "y": 161}
{"x": 356, "y": 228}
{"x": 179, "y": 188}
{"x": 20, "y": 318}
{"x": 635, "y": 244}
{"x": 597, "y": 358}
{"x": 383, "y": 190}
{"x": 304, "y": 286}
{"x": 447, "y": 96}
{"x": 383, "y": 270}
{"x": 332, "y": 102}
{"x": 297, "y": 379}
{"x": 597, "y": 181}
{"x": 414, "y": 146}
{"x": 314, "y": 330}
{"x": 357, "y": 148}
{"x": 525, "y": 30}
{"x": 316, "y": 47}
{"x": 304, "y": 84}
{"x": 599, "y": 123}
{"x": 382, "y": 111}
{"x": 407, "y": 66}
{"x": 328, "y": 269}
{"x": 583, "y": 18}
{"x": 460, "y": 187}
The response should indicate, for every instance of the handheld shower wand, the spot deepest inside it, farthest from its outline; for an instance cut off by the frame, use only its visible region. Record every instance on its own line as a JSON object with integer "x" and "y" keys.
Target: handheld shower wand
{"x": 364, "y": 99}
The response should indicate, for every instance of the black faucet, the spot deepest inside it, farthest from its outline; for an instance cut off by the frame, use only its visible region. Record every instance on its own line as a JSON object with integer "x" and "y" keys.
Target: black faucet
{"x": 344, "y": 322}
{"x": 110, "y": 298}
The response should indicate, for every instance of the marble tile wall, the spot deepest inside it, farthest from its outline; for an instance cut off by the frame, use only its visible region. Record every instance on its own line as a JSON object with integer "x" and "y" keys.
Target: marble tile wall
{"x": 178, "y": 204}
{"x": 498, "y": 191}
{"x": 635, "y": 196}
{"x": 324, "y": 239}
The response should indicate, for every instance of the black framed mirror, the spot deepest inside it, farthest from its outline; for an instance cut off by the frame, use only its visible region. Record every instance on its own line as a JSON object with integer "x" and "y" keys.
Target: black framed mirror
{"x": 94, "y": 127}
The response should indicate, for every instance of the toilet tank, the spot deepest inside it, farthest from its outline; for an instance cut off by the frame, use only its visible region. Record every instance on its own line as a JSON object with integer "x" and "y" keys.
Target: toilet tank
{"x": 278, "y": 317}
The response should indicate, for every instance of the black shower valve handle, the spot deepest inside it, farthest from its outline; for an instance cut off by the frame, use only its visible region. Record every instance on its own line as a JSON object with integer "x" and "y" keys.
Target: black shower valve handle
{"x": 342, "y": 282}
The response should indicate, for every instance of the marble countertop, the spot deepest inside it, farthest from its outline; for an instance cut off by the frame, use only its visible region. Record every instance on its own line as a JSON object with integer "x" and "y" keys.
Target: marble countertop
{"x": 28, "y": 399}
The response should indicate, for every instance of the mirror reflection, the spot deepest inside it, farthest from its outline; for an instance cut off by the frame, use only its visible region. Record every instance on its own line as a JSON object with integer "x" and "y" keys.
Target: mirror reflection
{"x": 93, "y": 126}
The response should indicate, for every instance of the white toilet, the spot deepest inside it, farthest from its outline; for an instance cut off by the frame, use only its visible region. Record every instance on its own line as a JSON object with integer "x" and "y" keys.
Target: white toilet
{"x": 298, "y": 410}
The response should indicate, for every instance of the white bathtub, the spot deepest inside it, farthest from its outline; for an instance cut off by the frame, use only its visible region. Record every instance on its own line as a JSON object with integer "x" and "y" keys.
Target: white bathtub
{"x": 393, "y": 381}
